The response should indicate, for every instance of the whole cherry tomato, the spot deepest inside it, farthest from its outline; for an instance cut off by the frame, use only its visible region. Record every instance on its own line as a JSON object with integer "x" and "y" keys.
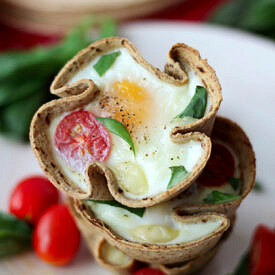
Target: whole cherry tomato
{"x": 148, "y": 271}
{"x": 262, "y": 253}
{"x": 31, "y": 197}
{"x": 56, "y": 237}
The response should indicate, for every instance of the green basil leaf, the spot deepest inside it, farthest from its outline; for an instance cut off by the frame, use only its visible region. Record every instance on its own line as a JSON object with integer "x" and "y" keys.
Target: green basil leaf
{"x": 196, "y": 107}
{"x": 12, "y": 227}
{"x": 105, "y": 62}
{"x": 108, "y": 28}
{"x": 137, "y": 211}
{"x": 179, "y": 173}
{"x": 257, "y": 187}
{"x": 252, "y": 15}
{"x": 15, "y": 235}
{"x": 13, "y": 246}
{"x": 243, "y": 266}
{"x": 216, "y": 197}
{"x": 234, "y": 182}
{"x": 118, "y": 129}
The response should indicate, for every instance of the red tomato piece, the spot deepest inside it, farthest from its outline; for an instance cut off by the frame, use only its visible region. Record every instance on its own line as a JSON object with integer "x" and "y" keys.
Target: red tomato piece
{"x": 219, "y": 167}
{"x": 148, "y": 271}
{"x": 262, "y": 252}
{"x": 56, "y": 237}
{"x": 81, "y": 139}
{"x": 31, "y": 197}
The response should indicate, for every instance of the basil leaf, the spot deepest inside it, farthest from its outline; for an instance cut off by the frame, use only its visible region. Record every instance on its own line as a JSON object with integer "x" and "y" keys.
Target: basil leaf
{"x": 243, "y": 266}
{"x": 118, "y": 129}
{"x": 234, "y": 182}
{"x": 13, "y": 246}
{"x": 257, "y": 187}
{"x": 196, "y": 107}
{"x": 12, "y": 227}
{"x": 137, "y": 211}
{"x": 251, "y": 15}
{"x": 105, "y": 62}
{"x": 108, "y": 28}
{"x": 216, "y": 197}
{"x": 15, "y": 235}
{"x": 179, "y": 173}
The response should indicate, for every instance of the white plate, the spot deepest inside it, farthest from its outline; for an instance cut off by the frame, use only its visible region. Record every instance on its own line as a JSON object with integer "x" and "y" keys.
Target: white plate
{"x": 245, "y": 65}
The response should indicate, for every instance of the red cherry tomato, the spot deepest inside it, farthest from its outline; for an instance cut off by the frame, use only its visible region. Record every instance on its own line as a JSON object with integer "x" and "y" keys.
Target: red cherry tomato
{"x": 56, "y": 237}
{"x": 81, "y": 139}
{"x": 148, "y": 271}
{"x": 262, "y": 253}
{"x": 31, "y": 197}
{"x": 219, "y": 168}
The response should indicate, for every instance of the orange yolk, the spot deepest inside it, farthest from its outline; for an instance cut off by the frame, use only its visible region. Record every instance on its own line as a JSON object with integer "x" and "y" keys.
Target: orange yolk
{"x": 129, "y": 103}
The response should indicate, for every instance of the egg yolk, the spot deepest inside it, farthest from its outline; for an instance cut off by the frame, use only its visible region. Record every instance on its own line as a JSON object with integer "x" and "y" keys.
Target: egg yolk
{"x": 128, "y": 103}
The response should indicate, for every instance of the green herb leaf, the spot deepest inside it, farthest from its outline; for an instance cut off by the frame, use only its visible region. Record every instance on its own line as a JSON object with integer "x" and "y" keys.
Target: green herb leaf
{"x": 216, "y": 197}
{"x": 179, "y": 173}
{"x": 234, "y": 182}
{"x": 15, "y": 235}
{"x": 105, "y": 62}
{"x": 12, "y": 227}
{"x": 13, "y": 246}
{"x": 242, "y": 268}
{"x": 196, "y": 107}
{"x": 251, "y": 15}
{"x": 118, "y": 129}
{"x": 137, "y": 211}
{"x": 257, "y": 187}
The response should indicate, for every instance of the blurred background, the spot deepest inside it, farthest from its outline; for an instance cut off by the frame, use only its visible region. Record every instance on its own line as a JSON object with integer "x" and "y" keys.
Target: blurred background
{"x": 38, "y": 37}
{"x": 41, "y": 29}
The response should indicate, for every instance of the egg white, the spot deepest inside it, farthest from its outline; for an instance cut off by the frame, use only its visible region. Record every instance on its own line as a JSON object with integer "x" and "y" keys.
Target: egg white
{"x": 123, "y": 222}
{"x": 155, "y": 152}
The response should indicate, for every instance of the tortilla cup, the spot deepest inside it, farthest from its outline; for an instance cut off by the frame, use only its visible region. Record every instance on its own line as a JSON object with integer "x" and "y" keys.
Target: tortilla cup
{"x": 157, "y": 253}
{"x": 101, "y": 183}
{"x": 96, "y": 242}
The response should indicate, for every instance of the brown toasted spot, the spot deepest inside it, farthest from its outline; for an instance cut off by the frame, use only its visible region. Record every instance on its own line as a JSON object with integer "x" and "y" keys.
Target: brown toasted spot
{"x": 98, "y": 50}
{"x": 144, "y": 199}
{"x": 123, "y": 42}
{"x": 53, "y": 165}
{"x": 119, "y": 190}
{"x": 39, "y": 115}
{"x": 47, "y": 119}
{"x": 92, "y": 48}
{"x": 201, "y": 69}
{"x": 204, "y": 220}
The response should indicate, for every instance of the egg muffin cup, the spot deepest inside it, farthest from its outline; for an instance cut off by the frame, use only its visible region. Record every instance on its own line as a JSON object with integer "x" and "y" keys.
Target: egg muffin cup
{"x": 100, "y": 181}
{"x": 100, "y": 247}
{"x": 157, "y": 253}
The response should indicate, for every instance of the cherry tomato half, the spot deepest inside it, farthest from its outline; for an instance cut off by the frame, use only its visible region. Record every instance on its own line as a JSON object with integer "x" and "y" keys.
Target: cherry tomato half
{"x": 80, "y": 139}
{"x": 31, "y": 197}
{"x": 262, "y": 253}
{"x": 56, "y": 237}
{"x": 148, "y": 271}
{"x": 219, "y": 168}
